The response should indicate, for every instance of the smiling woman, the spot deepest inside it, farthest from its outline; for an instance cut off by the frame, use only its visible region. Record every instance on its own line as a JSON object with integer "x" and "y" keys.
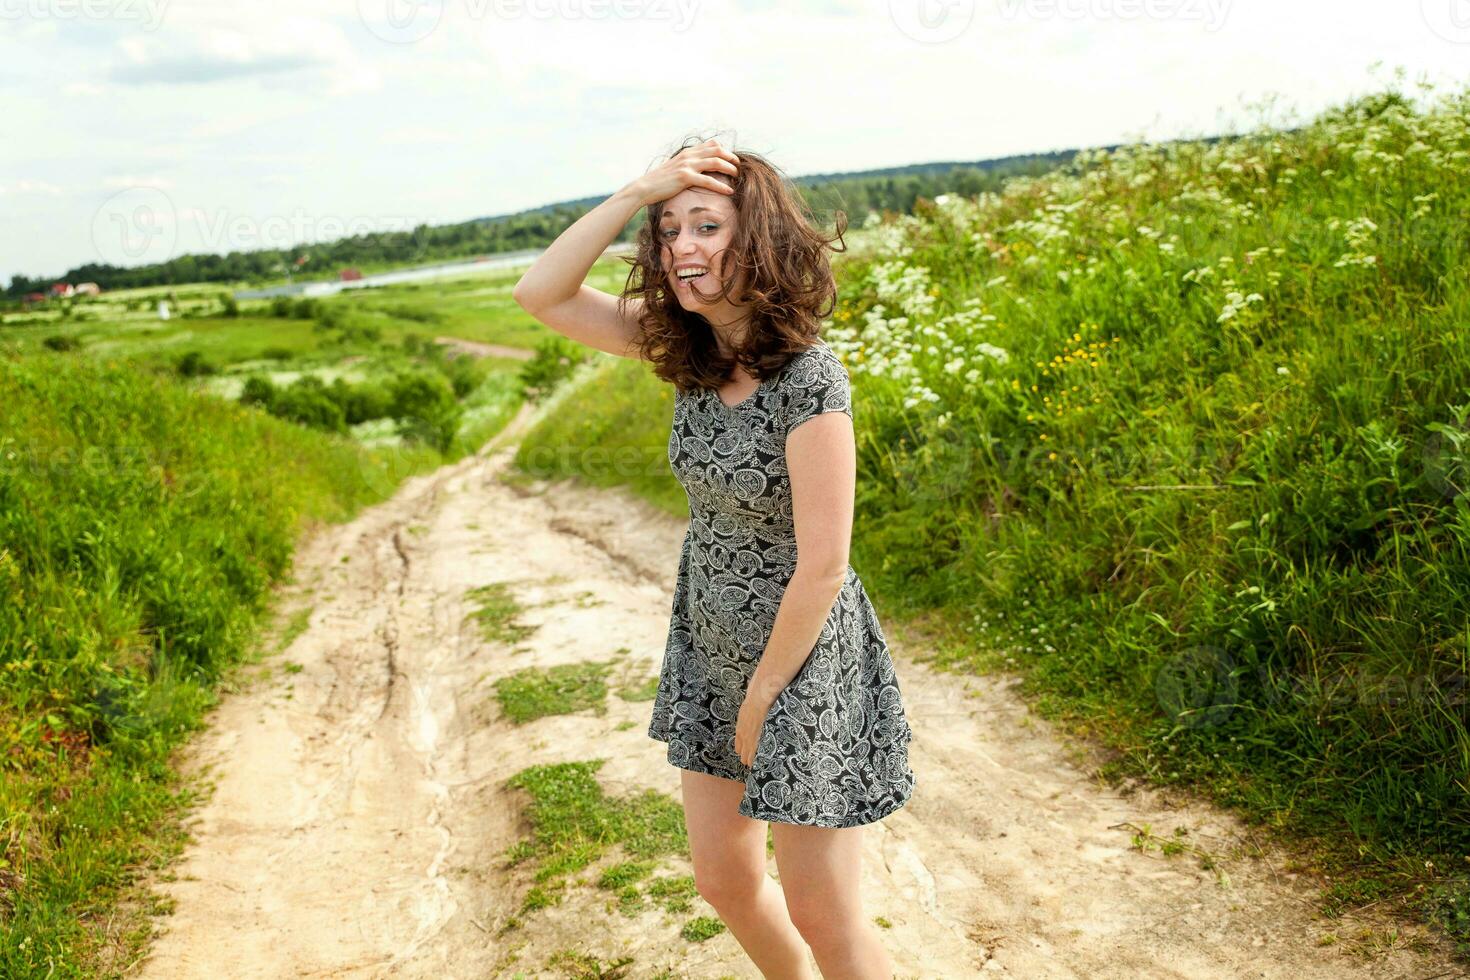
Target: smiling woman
{"x": 777, "y": 695}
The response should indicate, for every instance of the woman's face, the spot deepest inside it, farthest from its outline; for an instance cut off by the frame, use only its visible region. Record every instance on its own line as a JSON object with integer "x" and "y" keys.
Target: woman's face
{"x": 695, "y": 229}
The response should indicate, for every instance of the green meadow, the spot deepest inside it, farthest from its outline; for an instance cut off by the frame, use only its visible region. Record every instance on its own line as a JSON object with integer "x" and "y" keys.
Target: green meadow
{"x": 1177, "y": 433}
{"x": 137, "y": 553}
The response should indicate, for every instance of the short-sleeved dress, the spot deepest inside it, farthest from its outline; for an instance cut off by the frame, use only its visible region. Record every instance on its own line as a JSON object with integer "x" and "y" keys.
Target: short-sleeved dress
{"x": 833, "y": 750}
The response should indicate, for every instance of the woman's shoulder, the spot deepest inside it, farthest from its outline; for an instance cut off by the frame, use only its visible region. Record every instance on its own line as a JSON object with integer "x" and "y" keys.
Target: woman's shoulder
{"x": 816, "y": 359}
{"x": 814, "y": 381}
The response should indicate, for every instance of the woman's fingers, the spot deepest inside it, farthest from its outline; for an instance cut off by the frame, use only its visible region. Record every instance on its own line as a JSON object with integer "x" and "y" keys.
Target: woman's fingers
{"x": 721, "y": 150}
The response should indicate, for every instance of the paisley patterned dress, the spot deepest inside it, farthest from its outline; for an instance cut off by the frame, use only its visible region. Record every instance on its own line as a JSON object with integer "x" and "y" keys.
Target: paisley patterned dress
{"x": 833, "y": 751}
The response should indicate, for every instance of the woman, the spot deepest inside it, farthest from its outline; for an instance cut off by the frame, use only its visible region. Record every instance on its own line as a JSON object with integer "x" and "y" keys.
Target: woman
{"x": 777, "y": 696}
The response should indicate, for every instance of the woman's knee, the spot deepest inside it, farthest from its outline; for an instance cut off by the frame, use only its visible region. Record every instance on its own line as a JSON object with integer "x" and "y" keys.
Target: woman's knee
{"x": 727, "y": 883}
{"x": 728, "y": 849}
{"x": 819, "y": 923}
{"x": 810, "y": 915}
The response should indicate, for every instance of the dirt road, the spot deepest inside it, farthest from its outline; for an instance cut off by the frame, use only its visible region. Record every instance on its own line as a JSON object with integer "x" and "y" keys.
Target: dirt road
{"x": 359, "y": 821}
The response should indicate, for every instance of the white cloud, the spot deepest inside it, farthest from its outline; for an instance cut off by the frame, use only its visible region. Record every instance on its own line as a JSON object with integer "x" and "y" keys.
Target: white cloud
{"x": 127, "y": 181}
{"x": 417, "y": 135}
{"x": 31, "y": 187}
{"x": 205, "y": 45}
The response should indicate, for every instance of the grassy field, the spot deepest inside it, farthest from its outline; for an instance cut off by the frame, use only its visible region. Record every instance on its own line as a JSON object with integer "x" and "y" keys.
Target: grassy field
{"x": 1179, "y": 435}
{"x": 137, "y": 553}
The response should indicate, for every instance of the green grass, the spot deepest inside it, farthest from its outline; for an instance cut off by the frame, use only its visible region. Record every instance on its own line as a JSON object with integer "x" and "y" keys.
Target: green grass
{"x": 364, "y": 337}
{"x": 144, "y": 518}
{"x": 584, "y": 966}
{"x": 611, "y": 429}
{"x": 497, "y": 613}
{"x": 561, "y": 690}
{"x": 674, "y": 893}
{"x": 645, "y": 691}
{"x": 136, "y": 562}
{"x": 1181, "y": 435}
{"x": 573, "y": 824}
{"x": 698, "y": 929}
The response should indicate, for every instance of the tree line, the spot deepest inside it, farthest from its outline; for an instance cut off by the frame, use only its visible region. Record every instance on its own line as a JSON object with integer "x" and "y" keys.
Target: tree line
{"x": 892, "y": 189}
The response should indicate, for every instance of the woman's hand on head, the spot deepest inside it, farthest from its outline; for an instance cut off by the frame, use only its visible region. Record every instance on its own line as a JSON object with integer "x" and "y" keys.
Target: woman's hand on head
{"x": 688, "y": 168}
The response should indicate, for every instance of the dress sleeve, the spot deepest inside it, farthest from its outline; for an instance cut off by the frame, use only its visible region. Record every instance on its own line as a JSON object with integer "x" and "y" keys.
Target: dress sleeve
{"x": 818, "y": 383}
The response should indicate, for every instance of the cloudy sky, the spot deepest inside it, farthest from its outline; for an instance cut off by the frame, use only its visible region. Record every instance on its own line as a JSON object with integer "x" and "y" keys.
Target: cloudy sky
{"x": 136, "y": 130}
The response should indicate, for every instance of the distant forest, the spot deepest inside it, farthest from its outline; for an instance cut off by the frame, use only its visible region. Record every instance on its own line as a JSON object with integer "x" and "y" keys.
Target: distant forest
{"x": 893, "y": 189}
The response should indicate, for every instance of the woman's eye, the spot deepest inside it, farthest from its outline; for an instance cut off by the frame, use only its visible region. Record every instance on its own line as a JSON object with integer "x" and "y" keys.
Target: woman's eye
{"x": 711, "y": 226}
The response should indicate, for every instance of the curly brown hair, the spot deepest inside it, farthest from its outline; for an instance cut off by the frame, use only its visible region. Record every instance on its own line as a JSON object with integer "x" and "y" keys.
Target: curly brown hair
{"x": 787, "y": 280}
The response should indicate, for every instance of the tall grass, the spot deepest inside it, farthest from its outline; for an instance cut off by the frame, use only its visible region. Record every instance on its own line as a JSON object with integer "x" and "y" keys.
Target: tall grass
{"x": 141, "y": 528}
{"x": 1179, "y": 433}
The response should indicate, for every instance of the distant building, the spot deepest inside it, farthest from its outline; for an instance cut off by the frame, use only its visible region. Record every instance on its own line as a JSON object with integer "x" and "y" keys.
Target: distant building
{"x": 88, "y": 289}
{"x": 33, "y": 299}
{"x": 61, "y": 290}
{"x": 349, "y": 275}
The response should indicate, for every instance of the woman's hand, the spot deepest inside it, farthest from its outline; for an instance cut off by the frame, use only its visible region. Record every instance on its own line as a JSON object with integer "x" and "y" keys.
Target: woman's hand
{"x": 749, "y": 722}
{"x": 686, "y": 169}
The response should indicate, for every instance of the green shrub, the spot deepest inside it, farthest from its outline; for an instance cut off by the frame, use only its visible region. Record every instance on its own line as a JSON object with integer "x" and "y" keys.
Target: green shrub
{"x": 359, "y": 333}
{"x": 362, "y": 402}
{"x": 555, "y": 360}
{"x": 194, "y": 364}
{"x": 306, "y": 401}
{"x": 259, "y": 390}
{"x": 426, "y": 408}
{"x": 463, "y": 371}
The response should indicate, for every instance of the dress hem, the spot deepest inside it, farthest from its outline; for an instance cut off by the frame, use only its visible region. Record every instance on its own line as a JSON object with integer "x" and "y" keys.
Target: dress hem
{"x": 776, "y": 816}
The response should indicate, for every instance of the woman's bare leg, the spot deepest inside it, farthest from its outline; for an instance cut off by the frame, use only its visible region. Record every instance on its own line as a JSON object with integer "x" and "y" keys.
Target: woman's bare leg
{"x": 821, "y": 870}
{"x": 729, "y": 852}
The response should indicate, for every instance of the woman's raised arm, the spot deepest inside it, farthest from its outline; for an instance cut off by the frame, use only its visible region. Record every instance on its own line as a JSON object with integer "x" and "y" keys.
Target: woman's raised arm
{"x": 553, "y": 289}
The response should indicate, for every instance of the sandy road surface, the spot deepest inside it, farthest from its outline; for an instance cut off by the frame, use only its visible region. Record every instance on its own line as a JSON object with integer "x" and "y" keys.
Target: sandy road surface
{"x": 357, "y": 826}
